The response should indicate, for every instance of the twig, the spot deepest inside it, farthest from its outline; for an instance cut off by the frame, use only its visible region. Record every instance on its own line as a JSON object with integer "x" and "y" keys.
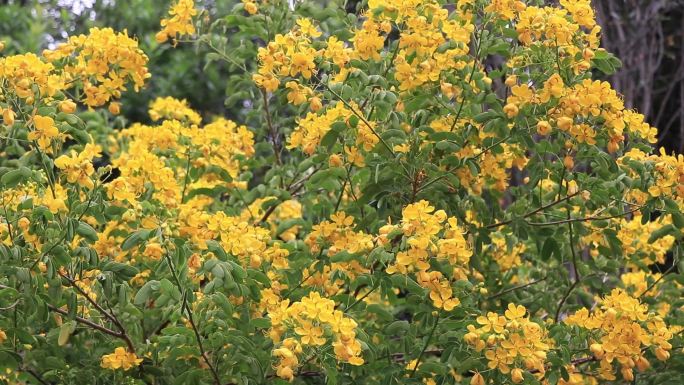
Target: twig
{"x": 506, "y": 291}
{"x": 585, "y": 219}
{"x": 651, "y": 286}
{"x": 87, "y": 322}
{"x": 535, "y": 211}
{"x": 427, "y": 343}
{"x": 105, "y": 313}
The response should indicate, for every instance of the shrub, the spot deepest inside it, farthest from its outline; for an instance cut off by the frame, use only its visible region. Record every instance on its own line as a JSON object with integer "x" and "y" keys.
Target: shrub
{"x": 407, "y": 191}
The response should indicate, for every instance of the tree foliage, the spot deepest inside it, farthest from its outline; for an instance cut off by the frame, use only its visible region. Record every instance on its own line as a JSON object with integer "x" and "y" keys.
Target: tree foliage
{"x": 405, "y": 191}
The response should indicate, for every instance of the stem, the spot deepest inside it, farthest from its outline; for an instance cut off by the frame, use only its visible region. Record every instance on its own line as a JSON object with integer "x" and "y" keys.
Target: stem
{"x": 198, "y": 337}
{"x": 427, "y": 342}
{"x": 506, "y": 291}
{"x": 185, "y": 180}
{"x": 535, "y": 211}
{"x": 271, "y": 129}
{"x": 651, "y": 286}
{"x": 105, "y": 313}
{"x": 585, "y": 219}
{"x": 87, "y": 322}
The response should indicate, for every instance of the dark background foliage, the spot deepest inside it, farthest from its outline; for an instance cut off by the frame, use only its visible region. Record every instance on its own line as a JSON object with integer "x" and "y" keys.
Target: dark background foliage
{"x": 647, "y": 35}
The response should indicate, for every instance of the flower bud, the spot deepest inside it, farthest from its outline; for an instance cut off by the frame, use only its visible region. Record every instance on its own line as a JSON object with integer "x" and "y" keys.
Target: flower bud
{"x": 251, "y": 8}
{"x": 569, "y": 162}
{"x": 511, "y": 110}
{"x": 67, "y": 106}
{"x": 477, "y": 380}
{"x": 335, "y": 160}
{"x": 597, "y": 350}
{"x": 315, "y": 104}
{"x": 114, "y": 108}
{"x": 662, "y": 354}
{"x": 511, "y": 80}
{"x": 642, "y": 364}
{"x": 161, "y": 37}
{"x": 627, "y": 374}
{"x": 612, "y": 147}
{"x": 565, "y": 123}
{"x": 517, "y": 375}
{"x": 8, "y": 117}
{"x": 543, "y": 127}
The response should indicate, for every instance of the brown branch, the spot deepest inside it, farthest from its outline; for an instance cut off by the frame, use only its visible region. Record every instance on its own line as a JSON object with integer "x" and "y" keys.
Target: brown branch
{"x": 535, "y": 211}
{"x": 105, "y": 313}
{"x": 87, "y": 322}
{"x": 506, "y": 291}
{"x": 585, "y": 219}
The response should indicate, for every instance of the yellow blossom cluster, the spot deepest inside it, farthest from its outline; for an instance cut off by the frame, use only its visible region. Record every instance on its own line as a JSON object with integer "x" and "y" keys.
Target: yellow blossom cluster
{"x": 104, "y": 61}
{"x": 494, "y": 167}
{"x": 512, "y": 342}
{"x": 667, "y": 177}
{"x": 249, "y": 243}
{"x": 310, "y": 323}
{"x": 637, "y": 282}
{"x": 78, "y": 166}
{"x": 287, "y": 210}
{"x": 622, "y": 329}
{"x": 23, "y": 72}
{"x": 44, "y": 132}
{"x": 288, "y": 55}
{"x": 425, "y": 27}
{"x": 579, "y": 110}
{"x": 179, "y": 23}
{"x": 571, "y": 31}
{"x": 430, "y": 234}
{"x": 311, "y": 129}
{"x": 506, "y": 255}
{"x": 335, "y": 236}
{"x": 171, "y": 108}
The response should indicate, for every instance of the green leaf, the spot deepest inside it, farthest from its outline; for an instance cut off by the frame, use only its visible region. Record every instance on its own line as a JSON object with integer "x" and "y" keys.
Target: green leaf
{"x": 135, "y": 239}
{"x": 65, "y": 332}
{"x": 86, "y": 231}
{"x": 15, "y": 177}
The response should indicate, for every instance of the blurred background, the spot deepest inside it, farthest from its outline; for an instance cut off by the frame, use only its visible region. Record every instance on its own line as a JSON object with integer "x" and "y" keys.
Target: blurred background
{"x": 647, "y": 35}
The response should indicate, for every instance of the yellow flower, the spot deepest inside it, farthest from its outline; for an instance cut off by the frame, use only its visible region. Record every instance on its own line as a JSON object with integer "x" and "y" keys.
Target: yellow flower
{"x": 250, "y": 6}
{"x": 120, "y": 359}
{"x": 515, "y": 312}
{"x": 44, "y": 131}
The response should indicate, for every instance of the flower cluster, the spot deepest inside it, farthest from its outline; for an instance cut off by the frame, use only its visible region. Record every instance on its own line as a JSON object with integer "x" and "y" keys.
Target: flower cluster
{"x": 104, "y": 61}
{"x": 288, "y": 55}
{"x": 621, "y": 331}
{"x": 310, "y": 323}
{"x": 426, "y": 27}
{"x": 512, "y": 342}
{"x": 430, "y": 234}
{"x": 179, "y": 23}
{"x": 171, "y": 108}
{"x": 78, "y": 166}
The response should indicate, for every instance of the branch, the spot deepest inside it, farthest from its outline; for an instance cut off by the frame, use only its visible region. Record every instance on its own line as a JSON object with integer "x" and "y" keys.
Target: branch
{"x": 585, "y": 219}
{"x": 122, "y": 331}
{"x": 535, "y": 211}
{"x": 506, "y": 291}
{"x": 427, "y": 342}
{"x": 87, "y": 322}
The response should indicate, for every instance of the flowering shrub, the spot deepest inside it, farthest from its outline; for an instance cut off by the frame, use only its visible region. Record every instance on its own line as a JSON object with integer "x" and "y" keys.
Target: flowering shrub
{"x": 411, "y": 191}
